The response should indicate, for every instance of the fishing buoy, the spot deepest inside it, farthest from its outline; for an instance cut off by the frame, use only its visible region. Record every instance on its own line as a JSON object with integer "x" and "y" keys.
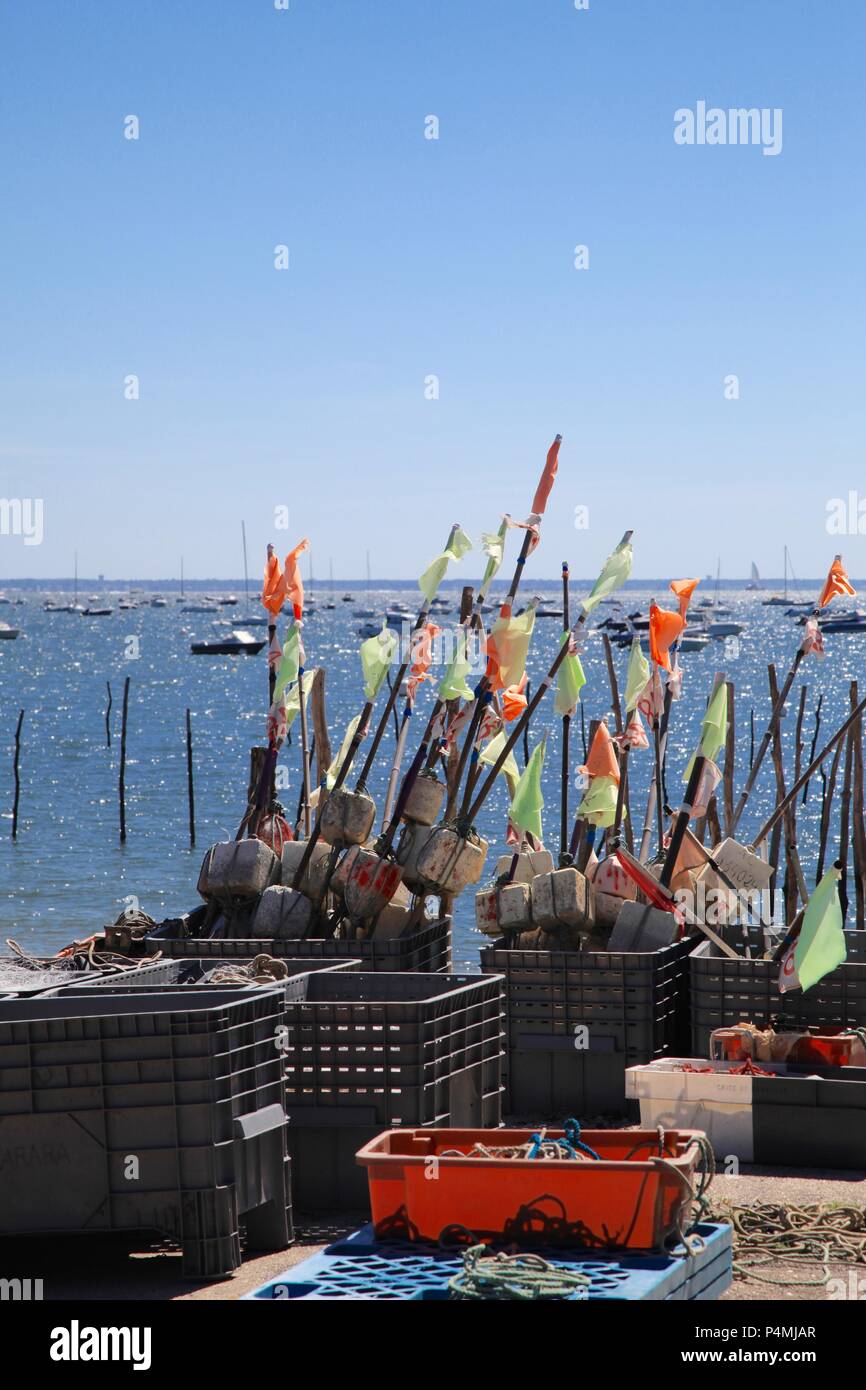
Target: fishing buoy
{"x": 282, "y": 914}
{"x": 449, "y": 861}
{"x": 347, "y": 817}
{"x": 274, "y": 831}
{"x": 425, "y": 799}
{"x": 561, "y": 899}
{"x": 316, "y": 872}
{"x": 413, "y": 839}
{"x": 530, "y": 862}
{"x": 370, "y": 883}
{"x": 238, "y": 869}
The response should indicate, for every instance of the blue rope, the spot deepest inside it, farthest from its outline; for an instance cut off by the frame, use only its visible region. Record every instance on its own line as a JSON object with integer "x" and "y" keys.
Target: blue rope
{"x": 571, "y": 1143}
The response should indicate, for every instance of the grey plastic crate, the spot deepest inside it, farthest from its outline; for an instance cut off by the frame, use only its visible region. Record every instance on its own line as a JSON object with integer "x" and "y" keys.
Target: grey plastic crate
{"x": 810, "y": 1117}
{"x": 395, "y": 1042}
{"x": 427, "y": 950}
{"x": 368, "y": 1052}
{"x": 725, "y": 991}
{"x": 577, "y": 1019}
{"x": 323, "y": 1144}
{"x": 147, "y": 1112}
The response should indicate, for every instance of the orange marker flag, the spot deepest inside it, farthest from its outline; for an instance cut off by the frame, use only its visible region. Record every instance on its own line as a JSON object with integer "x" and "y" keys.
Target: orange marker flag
{"x": 837, "y": 582}
{"x": 274, "y": 586}
{"x": 684, "y": 588}
{"x": 514, "y": 701}
{"x": 602, "y": 760}
{"x": 664, "y": 629}
{"x": 294, "y": 583}
{"x": 542, "y": 492}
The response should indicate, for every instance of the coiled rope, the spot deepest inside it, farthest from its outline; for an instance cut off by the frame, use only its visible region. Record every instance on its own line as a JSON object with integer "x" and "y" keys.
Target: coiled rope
{"x": 770, "y": 1234}
{"x": 523, "y": 1278}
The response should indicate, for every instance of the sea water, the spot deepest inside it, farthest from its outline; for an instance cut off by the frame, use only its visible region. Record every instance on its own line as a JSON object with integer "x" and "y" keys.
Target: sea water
{"x": 67, "y": 875}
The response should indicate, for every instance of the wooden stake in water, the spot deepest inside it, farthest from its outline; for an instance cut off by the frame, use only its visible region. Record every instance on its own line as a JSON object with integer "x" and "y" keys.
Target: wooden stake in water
{"x": 16, "y": 765}
{"x": 122, "y": 778}
{"x": 108, "y": 717}
{"x": 189, "y": 782}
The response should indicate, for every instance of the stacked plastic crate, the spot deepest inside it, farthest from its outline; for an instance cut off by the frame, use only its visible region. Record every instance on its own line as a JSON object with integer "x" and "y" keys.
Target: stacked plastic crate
{"x": 365, "y": 1052}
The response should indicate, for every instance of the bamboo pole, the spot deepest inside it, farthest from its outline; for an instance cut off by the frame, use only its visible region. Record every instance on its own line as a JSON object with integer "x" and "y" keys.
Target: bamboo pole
{"x": 622, "y": 799}
{"x": 108, "y": 717}
{"x": 305, "y": 751}
{"x": 827, "y": 809}
{"x": 482, "y": 698}
{"x": 122, "y": 778}
{"x": 845, "y": 818}
{"x": 189, "y": 779}
{"x": 16, "y": 769}
{"x": 814, "y": 743}
{"x": 859, "y": 836}
{"x": 565, "y": 764}
{"x": 423, "y": 613}
{"x": 730, "y": 759}
{"x": 321, "y": 737}
{"x": 342, "y": 772}
{"x": 775, "y": 716}
{"x": 815, "y": 763}
{"x": 794, "y": 884}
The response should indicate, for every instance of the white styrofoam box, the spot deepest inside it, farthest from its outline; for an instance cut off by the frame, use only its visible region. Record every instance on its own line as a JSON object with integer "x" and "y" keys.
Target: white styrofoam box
{"x": 716, "y": 1102}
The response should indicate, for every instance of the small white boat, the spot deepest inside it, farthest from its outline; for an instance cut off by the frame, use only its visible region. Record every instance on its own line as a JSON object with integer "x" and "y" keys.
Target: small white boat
{"x": 723, "y": 629}
{"x": 240, "y": 643}
{"x": 96, "y": 612}
{"x": 158, "y": 601}
{"x": 7, "y": 633}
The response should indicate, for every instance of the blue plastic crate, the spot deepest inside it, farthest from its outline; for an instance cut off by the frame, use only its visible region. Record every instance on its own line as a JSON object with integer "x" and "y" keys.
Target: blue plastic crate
{"x": 360, "y": 1267}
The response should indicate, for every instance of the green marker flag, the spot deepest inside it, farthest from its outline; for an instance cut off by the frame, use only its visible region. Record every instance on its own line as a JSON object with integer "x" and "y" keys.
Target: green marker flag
{"x": 570, "y": 680}
{"x": 331, "y": 775}
{"x": 453, "y": 685}
{"x": 377, "y": 653}
{"x": 616, "y": 570}
{"x": 510, "y": 771}
{"x": 290, "y": 663}
{"x": 599, "y": 803}
{"x": 458, "y": 545}
{"x": 528, "y": 802}
{"x": 637, "y": 676}
{"x": 493, "y": 545}
{"x": 714, "y": 728}
{"x": 293, "y": 699}
{"x": 821, "y": 943}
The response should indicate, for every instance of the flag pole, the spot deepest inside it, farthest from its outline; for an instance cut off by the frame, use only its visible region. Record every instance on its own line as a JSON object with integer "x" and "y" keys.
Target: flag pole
{"x": 483, "y": 690}
{"x": 313, "y": 838}
{"x": 782, "y": 806}
{"x": 523, "y": 722}
{"x": 305, "y": 748}
{"x": 423, "y": 612}
{"x": 779, "y": 705}
{"x": 566, "y": 737}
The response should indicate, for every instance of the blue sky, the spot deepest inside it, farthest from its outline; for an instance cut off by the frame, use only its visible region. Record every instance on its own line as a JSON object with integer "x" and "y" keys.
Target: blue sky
{"x": 412, "y": 257}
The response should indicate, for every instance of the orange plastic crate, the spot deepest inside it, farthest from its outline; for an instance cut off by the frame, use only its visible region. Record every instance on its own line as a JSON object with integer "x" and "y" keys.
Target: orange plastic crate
{"x": 626, "y": 1200}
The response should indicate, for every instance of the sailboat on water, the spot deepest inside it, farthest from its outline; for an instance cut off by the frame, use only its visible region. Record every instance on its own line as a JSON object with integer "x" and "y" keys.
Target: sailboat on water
{"x": 331, "y": 603}
{"x": 782, "y": 600}
{"x": 75, "y": 606}
{"x": 249, "y": 619}
{"x": 365, "y": 612}
{"x": 754, "y": 583}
